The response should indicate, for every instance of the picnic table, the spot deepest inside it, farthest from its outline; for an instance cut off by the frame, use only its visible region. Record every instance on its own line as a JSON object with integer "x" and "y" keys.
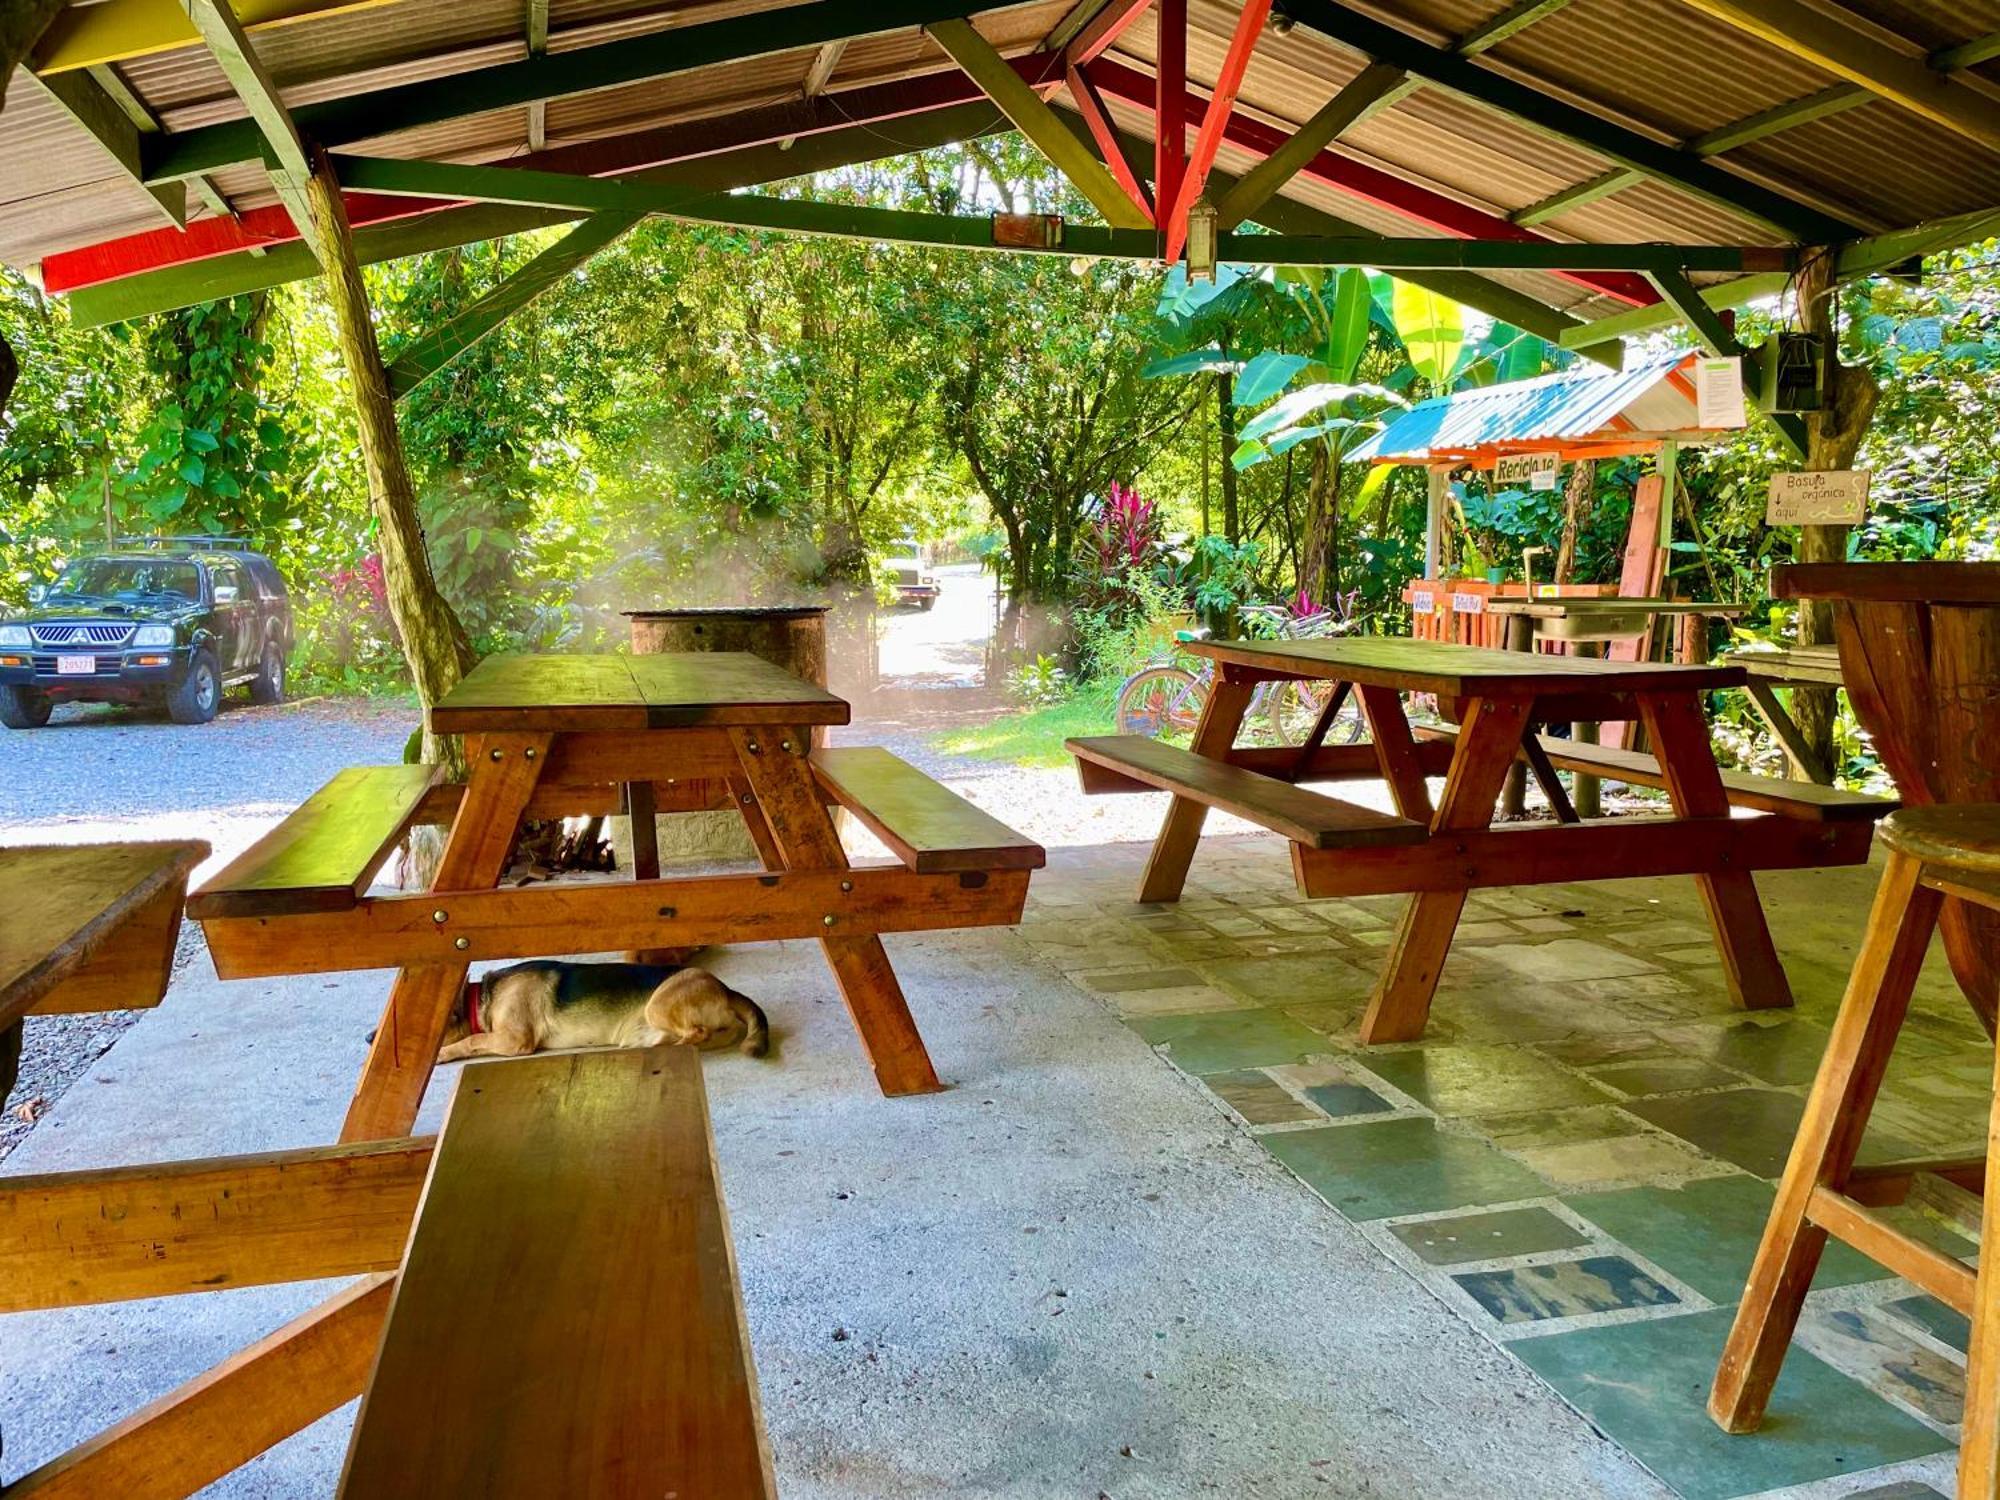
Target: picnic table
{"x": 88, "y": 927}
{"x": 1438, "y": 851}
{"x": 1920, "y": 659}
{"x": 562, "y": 735}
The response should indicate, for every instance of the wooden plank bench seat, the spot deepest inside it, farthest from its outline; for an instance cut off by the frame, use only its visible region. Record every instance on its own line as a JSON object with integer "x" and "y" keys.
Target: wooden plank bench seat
{"x": 1793, "y": 799}
{"x": 567, "y": 1320}
{"x": 927, "y": 825}
{"x": 1134, "y": 763}
{"x": 323, "y": 856}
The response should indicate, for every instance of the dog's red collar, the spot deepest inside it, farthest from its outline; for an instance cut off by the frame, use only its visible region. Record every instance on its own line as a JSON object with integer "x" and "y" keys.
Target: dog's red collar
{"x": 472, "y": 1006}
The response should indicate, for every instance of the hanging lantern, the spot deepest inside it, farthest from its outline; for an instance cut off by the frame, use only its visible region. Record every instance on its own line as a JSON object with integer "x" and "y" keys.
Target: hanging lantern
{"x": 1202, "y": 235}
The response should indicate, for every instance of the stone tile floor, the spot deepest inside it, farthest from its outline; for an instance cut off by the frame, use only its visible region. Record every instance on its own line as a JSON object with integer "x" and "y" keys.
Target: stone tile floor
{"x": 1579, "y": 1156}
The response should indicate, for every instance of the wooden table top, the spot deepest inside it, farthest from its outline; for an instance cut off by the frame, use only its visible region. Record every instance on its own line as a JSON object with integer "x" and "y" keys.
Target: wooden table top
{"x": 65, "y": 901}
{"x": 1895, "y": 583}
{"x": 1461, "y": 671}
{"x": 1577, "y": 609}
{"x": 677, "y": 691}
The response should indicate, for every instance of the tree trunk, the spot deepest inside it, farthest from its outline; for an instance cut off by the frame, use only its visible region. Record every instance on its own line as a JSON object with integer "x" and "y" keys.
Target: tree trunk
{"x": 1225, "y": 427}
{"x": 433, "y": 638}
{"x": 1579, "y": 500}
{"x": 1833, "y": 441}
{"x": 1319, "y": 564}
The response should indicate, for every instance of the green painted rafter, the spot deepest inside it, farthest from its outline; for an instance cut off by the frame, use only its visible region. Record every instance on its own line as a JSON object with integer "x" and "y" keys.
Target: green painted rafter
{"x": 682, "y": 49}
{"x": 802, "y": 216}
{"x": 1516, "y": 18}
{"x": 1827, "y": 102}
{"x": 1715, "y": 336}
{"x": 93, "y": 107}
{"x": 242, "y": 271}
{"x": 1033, "y": 117}
{"x": 285, "y": 154}
{"x": 1288, "y": 216}
{"x": 1847, "y": 51}
{"x": 1625, "y": 148}
{"x": 199, "y": 187}
{"x": 1268, "y": 177}
{"x": 423, "y": 357}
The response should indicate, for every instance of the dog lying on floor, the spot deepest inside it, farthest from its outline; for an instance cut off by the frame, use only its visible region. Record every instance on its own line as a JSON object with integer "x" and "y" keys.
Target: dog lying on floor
{"x": 547, "y": 1005}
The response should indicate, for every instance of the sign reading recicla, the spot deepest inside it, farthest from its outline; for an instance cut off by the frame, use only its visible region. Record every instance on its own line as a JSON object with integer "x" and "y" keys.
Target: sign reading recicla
{"x": 1536, "y": 470}
{"x": 1831, "y": 497}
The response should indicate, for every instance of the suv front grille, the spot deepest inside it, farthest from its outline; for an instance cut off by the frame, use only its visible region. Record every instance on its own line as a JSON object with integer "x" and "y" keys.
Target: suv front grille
{"x": 80, "y": 635}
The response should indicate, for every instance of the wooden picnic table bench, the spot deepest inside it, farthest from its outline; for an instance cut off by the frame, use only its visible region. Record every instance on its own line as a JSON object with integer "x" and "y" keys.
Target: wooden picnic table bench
{"x": 549, "y": 736}
{"x": 1795, "y": 666}
{"x": 1438, "y": 850}
{"x": 87, "y": 927}
{"x": 567, "y": 1321}
{"x": 546, "y": 1303}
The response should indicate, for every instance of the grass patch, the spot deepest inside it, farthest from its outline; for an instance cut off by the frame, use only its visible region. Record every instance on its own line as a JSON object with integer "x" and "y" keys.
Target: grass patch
{"x": 1033, "y": 736}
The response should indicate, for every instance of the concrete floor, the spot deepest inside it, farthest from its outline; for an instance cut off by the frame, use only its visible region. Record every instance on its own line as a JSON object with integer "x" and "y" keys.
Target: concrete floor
{"x": 1069, "y": 1275}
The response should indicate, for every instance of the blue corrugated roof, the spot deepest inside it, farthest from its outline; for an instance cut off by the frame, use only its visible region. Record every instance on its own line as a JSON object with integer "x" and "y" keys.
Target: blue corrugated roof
{"x": 1568, "y": 404}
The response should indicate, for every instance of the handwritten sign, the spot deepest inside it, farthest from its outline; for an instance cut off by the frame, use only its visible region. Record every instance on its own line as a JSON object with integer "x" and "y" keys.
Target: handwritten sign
{"x": 1537, "y": 471}
{"x": 1718, "y": 393}
{"x": 1469, "y": 604}
{"x": 1833, "y": 497}
{"x": 1423, "y": 603}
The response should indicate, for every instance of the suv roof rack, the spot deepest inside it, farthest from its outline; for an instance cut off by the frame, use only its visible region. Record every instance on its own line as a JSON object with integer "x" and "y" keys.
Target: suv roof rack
{"x": 201, "y": 542}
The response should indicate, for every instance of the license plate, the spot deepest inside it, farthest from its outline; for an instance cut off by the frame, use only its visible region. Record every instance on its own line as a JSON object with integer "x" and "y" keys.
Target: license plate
{"x": 75, "y": 666}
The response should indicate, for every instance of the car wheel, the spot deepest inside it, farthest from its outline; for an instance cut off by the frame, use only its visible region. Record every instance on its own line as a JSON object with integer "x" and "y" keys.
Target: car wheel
{"x": 268, "y": 686}
{"x": 24, "y": 707}
{"x": 199, "y": 694}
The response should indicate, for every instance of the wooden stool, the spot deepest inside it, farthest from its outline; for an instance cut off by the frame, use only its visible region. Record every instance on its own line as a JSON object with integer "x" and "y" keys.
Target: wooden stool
{"x": 1934, "y": 852}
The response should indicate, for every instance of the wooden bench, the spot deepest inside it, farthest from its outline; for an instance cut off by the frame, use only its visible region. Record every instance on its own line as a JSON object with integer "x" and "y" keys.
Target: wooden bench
{"x": 325, "y": 853}
{"x": 567, "y": 1320}
{"x": 927, "y": 825}
{"x": 1772, "y": 794}
{"x": 1134, "y": 763}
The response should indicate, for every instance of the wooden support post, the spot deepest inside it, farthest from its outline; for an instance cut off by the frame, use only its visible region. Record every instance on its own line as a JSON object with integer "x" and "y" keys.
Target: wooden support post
{"x": 225, "y": 1417}
{"x": 1439, "y": 477}
{"x": 434, "y": 640}
{"x": 1169, "y": 94}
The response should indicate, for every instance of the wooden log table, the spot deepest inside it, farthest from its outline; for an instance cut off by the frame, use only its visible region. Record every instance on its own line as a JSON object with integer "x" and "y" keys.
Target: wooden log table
{"x": 87, "y": 927}
{"x": 549, "y": 736}
{"x": 1440, "y": 851}
{"x": 1920, "y": 658}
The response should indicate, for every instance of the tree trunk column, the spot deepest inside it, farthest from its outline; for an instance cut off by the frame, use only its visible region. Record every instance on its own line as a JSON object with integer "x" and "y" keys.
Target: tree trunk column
{"x": 789, "y": 636}
{"x": 1833, "y": 441}
{"x": 434, "y": 640}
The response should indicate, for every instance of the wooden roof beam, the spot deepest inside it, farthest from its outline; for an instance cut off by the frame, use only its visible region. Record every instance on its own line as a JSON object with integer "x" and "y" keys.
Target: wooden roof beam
{"x": 285, "y": 152}
{"x": 94, "y": 109}
{"x": 1221, "y": 104}
{"x": 1625, "y": 147}
{"x": 538, "y": 43}
{"x": 1268, "y": 178}
{"x": 1034, "y": 119}
{"x": 554, "y": 75}
{"x": 1090, "y": 29}
{"x": 1097, "y": 119}
{"x": 111, "y": 31}
{"x": 1842, "y": 47}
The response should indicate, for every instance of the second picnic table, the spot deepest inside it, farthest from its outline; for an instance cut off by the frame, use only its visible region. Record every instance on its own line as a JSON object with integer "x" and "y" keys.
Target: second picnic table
{"x": 1438, "y": 852}
{"x": 556, "y": 736}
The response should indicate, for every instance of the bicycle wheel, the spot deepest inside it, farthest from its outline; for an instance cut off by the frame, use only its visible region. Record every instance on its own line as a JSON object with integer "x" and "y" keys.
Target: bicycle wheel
{"x": 1160, "y": 703}
{"x": 1294, "y": 708}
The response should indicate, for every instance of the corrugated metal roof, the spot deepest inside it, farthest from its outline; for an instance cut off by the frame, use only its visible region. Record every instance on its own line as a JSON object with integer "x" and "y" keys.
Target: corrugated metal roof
{"x": 1532, "y": 414}
{"x": 1660, "y": 67}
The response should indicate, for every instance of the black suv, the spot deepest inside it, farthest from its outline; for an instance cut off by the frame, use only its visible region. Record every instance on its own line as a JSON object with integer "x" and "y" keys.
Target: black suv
{"x": 174, "y": 620}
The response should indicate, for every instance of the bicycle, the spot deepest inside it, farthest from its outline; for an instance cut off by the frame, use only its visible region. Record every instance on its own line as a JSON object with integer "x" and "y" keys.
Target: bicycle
{"x": 1165, "y": 700}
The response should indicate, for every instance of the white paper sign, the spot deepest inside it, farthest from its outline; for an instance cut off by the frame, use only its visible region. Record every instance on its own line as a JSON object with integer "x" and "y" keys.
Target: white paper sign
{"x": 1835, "y": 497}
{"x": 1718, "y": 393}
{"x": 1537, "y": 471}
{"x": 1469, "y": 604}
{"x": 1423, "y": 603}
